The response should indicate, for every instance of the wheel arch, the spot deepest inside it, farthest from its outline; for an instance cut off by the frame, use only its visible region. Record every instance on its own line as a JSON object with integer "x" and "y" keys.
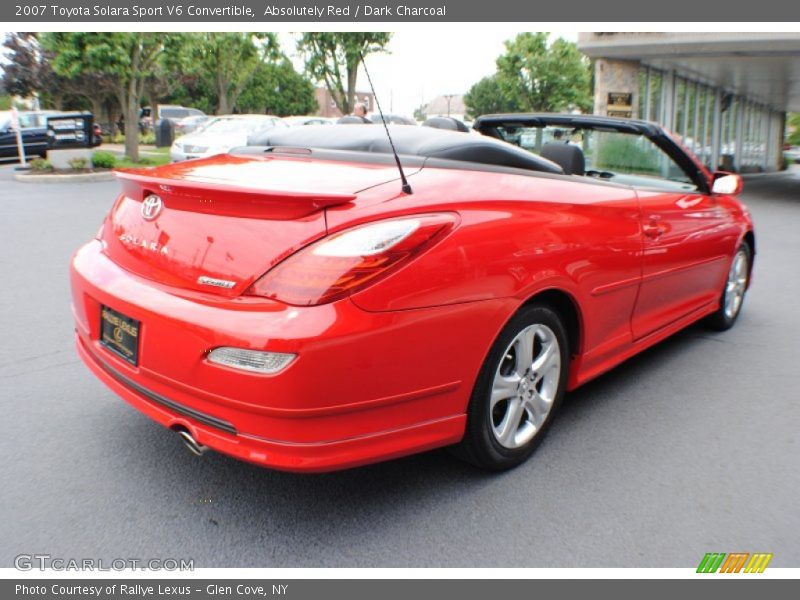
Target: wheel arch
{"x": 568, "y": 309}
{"x": 750, "y": 238}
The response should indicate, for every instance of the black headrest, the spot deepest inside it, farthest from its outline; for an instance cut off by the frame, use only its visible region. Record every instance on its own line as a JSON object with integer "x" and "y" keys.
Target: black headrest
{"x": 353, "y": 120}
{"x": 446, "y": 123}
{"x": 569, "y": 157}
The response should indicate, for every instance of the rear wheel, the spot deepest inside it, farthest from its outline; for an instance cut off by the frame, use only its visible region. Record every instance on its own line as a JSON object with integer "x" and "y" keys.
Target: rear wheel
{"x": 519, "y": 388}
{"x": 730, "y": 304}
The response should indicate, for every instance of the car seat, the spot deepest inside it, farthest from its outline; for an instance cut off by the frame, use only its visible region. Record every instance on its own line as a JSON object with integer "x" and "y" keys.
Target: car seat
{"x": 568, "y": 157}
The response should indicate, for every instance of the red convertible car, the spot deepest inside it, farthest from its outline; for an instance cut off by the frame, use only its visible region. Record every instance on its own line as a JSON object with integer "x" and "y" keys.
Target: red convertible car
{"x": 297, "y": 305}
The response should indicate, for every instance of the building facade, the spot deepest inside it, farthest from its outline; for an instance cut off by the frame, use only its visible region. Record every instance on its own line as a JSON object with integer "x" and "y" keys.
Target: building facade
{"x": 725, "y": 94}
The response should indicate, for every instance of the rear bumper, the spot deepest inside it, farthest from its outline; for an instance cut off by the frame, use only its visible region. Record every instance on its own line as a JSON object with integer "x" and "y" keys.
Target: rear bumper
{"x": 301, "y": 457}
{"x": 365, "y": 386}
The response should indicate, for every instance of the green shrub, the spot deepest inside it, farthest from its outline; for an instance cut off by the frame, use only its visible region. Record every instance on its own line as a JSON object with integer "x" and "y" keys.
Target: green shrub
{"x": 118, "y": 138}
{"x": 78, "y": 164}
{"x": 104, "y": 160}
{"x": 146, "y": 161}
{"x": 41, "y": 165}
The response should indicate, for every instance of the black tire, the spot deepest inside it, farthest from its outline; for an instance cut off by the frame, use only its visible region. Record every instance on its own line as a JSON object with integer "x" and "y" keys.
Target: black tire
{"x": 722, "y": 319}
{"x": 480, "y": 445}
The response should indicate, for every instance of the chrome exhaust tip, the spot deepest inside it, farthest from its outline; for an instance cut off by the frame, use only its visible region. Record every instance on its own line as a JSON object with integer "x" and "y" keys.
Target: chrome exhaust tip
{"x": 192, "y": 444}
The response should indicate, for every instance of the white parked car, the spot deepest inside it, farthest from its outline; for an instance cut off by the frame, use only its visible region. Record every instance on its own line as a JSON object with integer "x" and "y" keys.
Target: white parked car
{"x": 190, "y": 124}
{"x": 793, "y": 154}
{"x": 221, "y": 134}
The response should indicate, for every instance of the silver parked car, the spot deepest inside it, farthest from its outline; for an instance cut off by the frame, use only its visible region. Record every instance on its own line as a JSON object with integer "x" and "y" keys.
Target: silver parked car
{"x": 221, "y": 134}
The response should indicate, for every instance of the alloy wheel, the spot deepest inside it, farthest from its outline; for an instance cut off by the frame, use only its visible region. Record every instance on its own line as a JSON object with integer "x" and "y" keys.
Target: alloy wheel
{"x": 736, "y": 284}
{"x": 525, "y": 386}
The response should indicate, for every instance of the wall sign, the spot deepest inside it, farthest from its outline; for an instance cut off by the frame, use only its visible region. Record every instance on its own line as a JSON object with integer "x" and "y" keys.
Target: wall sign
{"x": 620, "y": 104}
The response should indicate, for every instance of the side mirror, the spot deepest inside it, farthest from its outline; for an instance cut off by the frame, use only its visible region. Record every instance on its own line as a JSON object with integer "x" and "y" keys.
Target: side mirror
{"x": 726, "y": 183}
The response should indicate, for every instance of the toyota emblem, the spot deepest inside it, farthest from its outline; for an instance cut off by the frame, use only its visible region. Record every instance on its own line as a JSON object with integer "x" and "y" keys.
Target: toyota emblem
{"x": 151, "y": 207}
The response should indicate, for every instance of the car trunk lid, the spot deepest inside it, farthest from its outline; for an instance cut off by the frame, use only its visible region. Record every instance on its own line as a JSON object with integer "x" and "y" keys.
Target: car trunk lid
{"x": 220, "y": 223}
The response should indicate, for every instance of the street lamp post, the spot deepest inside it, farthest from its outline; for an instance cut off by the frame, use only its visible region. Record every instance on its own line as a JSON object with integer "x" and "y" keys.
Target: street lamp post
{"x": 449, "y": 97}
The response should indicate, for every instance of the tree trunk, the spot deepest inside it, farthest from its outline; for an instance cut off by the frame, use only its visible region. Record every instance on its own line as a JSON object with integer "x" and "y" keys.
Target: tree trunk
{"x": 352, "y": 77}
{"x": 131, "y": 109}
{"x": 132, "y": 95}
{"x": 223, "y": 106}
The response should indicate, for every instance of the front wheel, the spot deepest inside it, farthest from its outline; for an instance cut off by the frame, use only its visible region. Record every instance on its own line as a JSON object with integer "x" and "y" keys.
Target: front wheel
{"x": 518, "y": 390}
{"x": 733, "y": 293}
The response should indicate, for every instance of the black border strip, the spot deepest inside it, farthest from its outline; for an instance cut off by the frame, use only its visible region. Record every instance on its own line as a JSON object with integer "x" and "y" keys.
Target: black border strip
{"x": 167, "y": 403}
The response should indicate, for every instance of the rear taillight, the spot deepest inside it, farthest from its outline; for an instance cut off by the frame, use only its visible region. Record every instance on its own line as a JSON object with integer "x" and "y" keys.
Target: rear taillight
{"x": 346, "y": 262}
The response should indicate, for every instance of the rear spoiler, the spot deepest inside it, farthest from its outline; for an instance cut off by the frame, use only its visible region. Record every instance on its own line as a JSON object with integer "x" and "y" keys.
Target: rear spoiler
{"x": 226, "y": 199}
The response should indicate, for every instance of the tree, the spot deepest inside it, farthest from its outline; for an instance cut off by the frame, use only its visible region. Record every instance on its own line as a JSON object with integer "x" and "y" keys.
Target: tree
{"x": 184, "y": 89}
{"x": 333, "y": 58}
{"x": 541, "y": 77}
{"x": 22, "y": 76}
{"x": 277, "y": 89}
{"x": 227, "y": 61}
{"x": 31, "y": 73}
{"x": 130, "y": 58}
{"x": 487, "y": 97}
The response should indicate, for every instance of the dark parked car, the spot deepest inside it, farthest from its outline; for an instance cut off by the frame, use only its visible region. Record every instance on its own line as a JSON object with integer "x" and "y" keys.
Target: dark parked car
{"x": 33, "y": 125}
{"x": 171, "y": 112}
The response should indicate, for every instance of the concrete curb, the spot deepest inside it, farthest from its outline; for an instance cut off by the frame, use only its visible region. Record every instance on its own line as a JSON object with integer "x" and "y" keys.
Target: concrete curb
{"x": 64, "y": 177}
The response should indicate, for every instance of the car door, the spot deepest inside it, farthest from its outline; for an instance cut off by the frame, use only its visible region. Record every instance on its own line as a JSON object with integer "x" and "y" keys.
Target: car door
{"x": 686, "y": 235}
{"x": 687, "y": 239}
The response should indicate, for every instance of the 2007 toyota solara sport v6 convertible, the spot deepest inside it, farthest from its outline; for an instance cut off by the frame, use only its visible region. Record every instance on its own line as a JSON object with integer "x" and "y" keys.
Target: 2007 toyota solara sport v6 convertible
{"x": 306, "y": 303}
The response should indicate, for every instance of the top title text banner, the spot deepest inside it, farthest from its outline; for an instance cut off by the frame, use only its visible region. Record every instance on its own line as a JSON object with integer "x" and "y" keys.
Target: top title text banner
{"x": 261, "y": 11}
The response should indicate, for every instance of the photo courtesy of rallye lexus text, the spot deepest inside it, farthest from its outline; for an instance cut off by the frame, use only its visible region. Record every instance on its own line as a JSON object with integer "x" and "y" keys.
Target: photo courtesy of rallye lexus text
{"x": 102, "y": 591}
{"x": 296, "y": 305}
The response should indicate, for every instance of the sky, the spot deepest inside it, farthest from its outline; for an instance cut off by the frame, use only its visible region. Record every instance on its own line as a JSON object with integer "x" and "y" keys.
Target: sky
{"x": 420, "y": 66}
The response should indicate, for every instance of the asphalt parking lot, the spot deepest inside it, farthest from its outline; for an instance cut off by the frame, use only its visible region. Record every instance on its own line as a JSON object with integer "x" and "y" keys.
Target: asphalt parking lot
{"x": 689, "y": 448}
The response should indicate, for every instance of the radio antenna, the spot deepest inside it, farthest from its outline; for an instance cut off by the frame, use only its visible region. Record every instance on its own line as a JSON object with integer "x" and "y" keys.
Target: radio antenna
{"x": 406, "y": 187}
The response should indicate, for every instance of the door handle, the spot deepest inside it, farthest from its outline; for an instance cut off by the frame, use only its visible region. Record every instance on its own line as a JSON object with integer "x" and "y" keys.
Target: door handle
{"x": 654, "y": 229}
